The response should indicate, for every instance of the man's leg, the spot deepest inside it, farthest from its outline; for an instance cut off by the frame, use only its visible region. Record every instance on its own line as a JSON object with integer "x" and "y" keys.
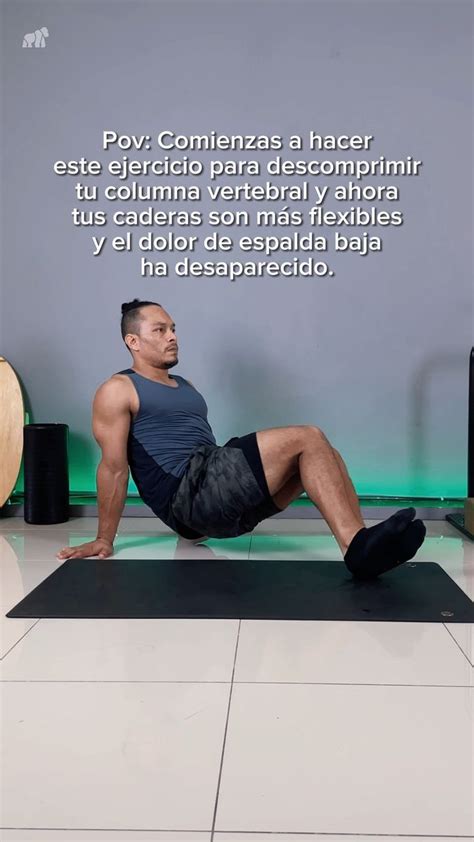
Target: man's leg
{"x": 290, "y": 491}
{"x": 367, "y": 552}
{"x": 286, "y": 451}
{"x": 350, "y": 490}
{"x": 293, "y": 488}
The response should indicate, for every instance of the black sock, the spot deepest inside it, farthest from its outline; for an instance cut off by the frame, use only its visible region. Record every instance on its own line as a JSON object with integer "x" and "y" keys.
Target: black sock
{"x": 411, "y": 539}
{"x": 405, "y": 545}
{"x": 379, "y": 548}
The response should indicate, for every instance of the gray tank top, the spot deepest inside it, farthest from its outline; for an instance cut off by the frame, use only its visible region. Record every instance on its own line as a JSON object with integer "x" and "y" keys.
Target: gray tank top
{"x": 170, "y": 424}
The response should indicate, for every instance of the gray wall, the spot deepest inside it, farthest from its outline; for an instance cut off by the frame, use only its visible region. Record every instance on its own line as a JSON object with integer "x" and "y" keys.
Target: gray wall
{"x": 378, "y": 355}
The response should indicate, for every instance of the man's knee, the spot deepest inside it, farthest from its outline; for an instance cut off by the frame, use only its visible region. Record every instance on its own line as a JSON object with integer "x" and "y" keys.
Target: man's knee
{"x": 315, "y": 433}
{"x": 317, "y": 436}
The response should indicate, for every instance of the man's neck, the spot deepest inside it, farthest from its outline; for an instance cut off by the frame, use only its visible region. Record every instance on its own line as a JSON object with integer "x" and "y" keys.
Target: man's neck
{"x": 156, "y": 374}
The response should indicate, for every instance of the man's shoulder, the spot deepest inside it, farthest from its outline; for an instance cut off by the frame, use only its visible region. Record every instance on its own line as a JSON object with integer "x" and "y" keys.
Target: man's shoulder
{"x": 117, "y": 387}
{"x": 117, "y": 380}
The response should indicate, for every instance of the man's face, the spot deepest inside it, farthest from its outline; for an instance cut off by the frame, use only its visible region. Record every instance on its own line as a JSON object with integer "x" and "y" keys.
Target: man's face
{"x": 157, "y": 343}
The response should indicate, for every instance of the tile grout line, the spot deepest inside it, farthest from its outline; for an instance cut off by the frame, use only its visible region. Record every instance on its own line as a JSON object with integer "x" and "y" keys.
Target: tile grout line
{"x": 458, "y": 645}
{"x": 242, "y": 832}
{"x": 225, "y": 735}
{"x": 252, "y": 683}
{"x": 22, "y": 637}
{"x": 349, "y": 835}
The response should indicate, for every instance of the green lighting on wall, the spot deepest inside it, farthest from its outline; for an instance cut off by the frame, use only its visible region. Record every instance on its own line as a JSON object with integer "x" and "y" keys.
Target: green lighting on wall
{"x": 448, "y": 484}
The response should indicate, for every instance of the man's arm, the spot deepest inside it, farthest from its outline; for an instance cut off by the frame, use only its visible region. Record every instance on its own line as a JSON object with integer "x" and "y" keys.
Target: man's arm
{"x": 110, "y": 426}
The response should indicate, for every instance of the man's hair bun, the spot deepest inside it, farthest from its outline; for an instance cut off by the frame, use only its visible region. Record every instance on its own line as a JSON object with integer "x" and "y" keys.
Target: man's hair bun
{"x": 130, "y": 305}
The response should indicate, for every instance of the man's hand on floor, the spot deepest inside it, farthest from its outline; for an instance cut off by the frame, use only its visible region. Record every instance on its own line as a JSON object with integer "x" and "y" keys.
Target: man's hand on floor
{"x": 100, "y": 547}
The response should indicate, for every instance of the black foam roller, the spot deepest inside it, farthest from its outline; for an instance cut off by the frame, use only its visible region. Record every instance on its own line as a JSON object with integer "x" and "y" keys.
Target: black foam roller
{"x": 46, "y": 473}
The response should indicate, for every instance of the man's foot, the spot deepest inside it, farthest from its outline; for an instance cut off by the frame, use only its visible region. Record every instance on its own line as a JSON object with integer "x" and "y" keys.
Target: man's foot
{"x": 382, "y": 547}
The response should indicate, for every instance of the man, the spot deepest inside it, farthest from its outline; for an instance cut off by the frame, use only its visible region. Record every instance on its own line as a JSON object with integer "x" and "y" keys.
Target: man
{"x": 157, "y": 425}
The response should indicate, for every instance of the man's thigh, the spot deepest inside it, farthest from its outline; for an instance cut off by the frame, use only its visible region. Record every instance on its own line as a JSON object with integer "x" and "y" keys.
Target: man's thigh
{"x": 280, "y": 448}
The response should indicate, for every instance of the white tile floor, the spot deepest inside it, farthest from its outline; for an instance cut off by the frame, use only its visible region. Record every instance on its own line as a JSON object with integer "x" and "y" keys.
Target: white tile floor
{"x": 193, "y": 730}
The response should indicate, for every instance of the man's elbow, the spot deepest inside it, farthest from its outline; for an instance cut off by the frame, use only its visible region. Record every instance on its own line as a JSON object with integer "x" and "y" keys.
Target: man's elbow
{"x": 116, "y": 469}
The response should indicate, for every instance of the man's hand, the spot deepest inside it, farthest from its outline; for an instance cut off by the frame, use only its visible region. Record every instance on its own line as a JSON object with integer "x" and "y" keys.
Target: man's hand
{"x": 99, "y": 547}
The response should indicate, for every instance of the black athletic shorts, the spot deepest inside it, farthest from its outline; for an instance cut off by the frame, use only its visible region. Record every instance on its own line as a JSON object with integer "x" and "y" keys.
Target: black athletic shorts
{"x": 223, "y": 492}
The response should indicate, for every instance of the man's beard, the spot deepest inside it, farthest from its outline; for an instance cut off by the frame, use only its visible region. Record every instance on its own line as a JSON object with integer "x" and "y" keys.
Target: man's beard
{"x": 171, "y": 363}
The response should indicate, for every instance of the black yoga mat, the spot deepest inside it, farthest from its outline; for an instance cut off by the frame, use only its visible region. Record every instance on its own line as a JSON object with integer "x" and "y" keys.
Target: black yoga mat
{"x": 234, "y": 588}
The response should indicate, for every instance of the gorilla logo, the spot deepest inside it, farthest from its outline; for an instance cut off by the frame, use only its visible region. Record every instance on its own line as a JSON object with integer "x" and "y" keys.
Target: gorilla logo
{"x": 36, "y": 39}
